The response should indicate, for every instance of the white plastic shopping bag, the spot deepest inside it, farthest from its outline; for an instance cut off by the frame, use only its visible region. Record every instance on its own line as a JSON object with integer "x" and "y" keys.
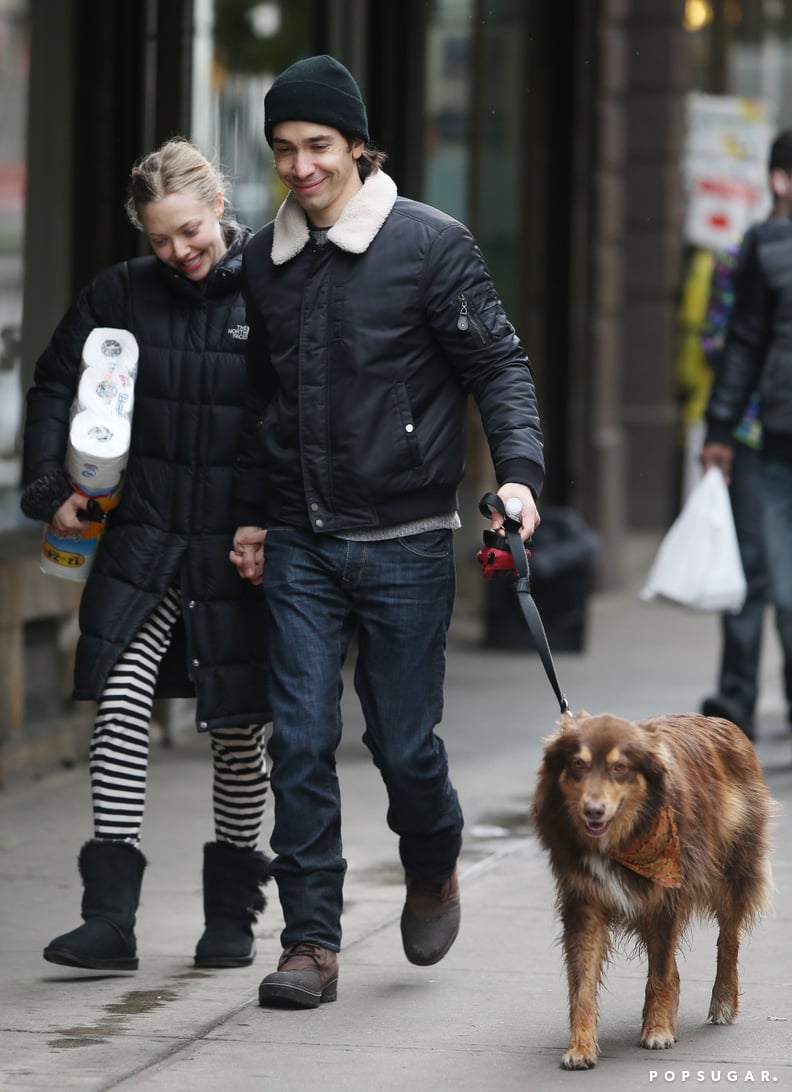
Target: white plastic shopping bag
{"x": 698, "y": 563}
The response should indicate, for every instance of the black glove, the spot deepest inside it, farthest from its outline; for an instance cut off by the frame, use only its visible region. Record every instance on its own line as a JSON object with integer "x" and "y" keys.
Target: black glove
{"x": 44, "y": 496}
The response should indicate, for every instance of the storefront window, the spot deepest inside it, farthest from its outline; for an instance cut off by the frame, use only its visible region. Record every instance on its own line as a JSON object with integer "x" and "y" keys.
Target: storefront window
{"x": 742, "y": 80}
{"x": 240, "y": 46}
{"x": 743, "y": 47}
{"x": 13, "y": 117}
{"x": 474, "y": 130}
{"x": 501, "y": 129}
{"x": 449, "y": 85}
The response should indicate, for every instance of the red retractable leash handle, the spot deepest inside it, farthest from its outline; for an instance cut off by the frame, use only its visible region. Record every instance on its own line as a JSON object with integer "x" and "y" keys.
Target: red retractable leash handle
{"x": 496, "y": 557}
{"x": 504, "y": 554}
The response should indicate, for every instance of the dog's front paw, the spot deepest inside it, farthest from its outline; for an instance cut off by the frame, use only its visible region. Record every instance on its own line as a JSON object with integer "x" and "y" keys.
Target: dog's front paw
{"x": 577, "y": 1061}
{"x": 722, "y": 1012}
{"x": 580, "y": 1055}
{"x": 657, "y": 1038}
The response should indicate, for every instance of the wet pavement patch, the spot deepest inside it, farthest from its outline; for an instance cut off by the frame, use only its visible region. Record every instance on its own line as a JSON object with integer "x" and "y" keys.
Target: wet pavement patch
{"x": 133, "y": 1003}
{"x": 137, "y": 1001}
{"x": 64, "y": 1044}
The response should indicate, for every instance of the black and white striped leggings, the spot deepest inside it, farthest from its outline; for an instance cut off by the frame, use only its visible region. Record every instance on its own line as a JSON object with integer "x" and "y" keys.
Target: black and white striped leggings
{"x": 120, "y": 746}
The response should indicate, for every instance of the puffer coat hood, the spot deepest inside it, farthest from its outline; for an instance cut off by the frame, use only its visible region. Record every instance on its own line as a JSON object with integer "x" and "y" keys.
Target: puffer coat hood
{"x": 174, "y": 524}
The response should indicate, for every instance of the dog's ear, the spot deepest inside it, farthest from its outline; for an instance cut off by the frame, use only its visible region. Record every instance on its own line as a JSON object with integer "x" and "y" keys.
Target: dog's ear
{"x": 650, "y": 762}
{"x": 556, "y": 754}
{"x": 558, "y": 747}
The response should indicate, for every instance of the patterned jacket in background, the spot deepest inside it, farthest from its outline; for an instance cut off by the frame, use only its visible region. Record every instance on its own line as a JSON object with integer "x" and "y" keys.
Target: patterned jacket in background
{"x": 692, "y": 373}
{"x": 713, "y": 335}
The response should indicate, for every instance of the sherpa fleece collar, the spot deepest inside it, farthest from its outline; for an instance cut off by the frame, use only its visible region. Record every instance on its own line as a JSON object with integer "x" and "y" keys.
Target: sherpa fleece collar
{"x": 355, "y": 229}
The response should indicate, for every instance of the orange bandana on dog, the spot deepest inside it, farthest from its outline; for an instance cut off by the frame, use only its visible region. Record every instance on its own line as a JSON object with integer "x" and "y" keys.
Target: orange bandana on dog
{"x": 656, "y": 853}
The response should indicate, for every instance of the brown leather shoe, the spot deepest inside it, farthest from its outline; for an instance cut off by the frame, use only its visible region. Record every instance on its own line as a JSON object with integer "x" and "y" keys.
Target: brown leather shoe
{"x": 430, "y": 919}
{"x": 307, "y": 975}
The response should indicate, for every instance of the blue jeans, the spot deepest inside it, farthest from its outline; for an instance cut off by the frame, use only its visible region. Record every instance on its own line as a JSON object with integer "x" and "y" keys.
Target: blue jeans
{"x": 397, "y": 597}
{"x": 777, "y": 482}
{"x": 742, "y": 632}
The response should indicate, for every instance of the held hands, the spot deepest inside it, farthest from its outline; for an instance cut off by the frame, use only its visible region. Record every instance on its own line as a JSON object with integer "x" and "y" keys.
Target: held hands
{"x": 247, "y": 553}
{"x": 529, "y": 515}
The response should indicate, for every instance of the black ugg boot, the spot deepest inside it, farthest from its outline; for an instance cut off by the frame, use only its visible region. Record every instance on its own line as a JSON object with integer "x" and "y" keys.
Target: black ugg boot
{"x": 112, "y": 873}
{"x": 232, "y": 879}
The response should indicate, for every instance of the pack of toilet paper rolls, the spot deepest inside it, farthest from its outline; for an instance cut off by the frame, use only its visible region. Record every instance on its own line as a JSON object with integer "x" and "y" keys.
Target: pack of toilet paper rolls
{"x": 111, "y": 350}
{"x": 98, "y": 446}
{"x": 97, "y": 451}
{"x": 71, "y": 556}
{"x": 105, "y": 393}
{"x": 108, "y": 370}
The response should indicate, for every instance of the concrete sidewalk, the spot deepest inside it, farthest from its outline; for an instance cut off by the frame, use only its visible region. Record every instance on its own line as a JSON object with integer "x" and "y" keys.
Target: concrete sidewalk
{"x": 492, "y": 1015}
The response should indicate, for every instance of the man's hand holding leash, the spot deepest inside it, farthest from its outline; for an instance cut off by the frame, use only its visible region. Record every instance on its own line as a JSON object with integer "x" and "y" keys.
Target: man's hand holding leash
{"x": 527, "y": 513}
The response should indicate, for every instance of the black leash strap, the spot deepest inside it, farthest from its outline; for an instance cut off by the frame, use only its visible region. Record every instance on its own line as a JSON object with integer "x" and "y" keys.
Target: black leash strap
{"x": 522, "y": 586}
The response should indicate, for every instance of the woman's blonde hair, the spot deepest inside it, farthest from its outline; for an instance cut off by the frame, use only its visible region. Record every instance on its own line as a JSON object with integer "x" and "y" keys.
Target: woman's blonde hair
{"x": 175, "y": 167}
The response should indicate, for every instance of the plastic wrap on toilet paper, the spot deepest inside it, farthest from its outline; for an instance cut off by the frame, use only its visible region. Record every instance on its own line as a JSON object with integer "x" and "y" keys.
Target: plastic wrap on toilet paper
{"x": 111, "y": 349}
{"x": 97, "y": 451}
{"x": 71, "y": 555}
{"x": 98, "y": 446}
{"x": 104, "y": 391}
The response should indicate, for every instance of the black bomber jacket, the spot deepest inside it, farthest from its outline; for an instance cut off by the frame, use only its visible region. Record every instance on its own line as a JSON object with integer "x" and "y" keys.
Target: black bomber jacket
{"x": 361, "y": 355}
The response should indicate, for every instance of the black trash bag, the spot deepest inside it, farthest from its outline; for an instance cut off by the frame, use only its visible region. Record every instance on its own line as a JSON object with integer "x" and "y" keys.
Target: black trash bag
{"x": 564, "y": 552}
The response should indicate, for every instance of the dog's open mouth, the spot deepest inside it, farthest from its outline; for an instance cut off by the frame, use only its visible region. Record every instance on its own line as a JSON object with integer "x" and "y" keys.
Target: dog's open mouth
{"x": 596, "y": 830}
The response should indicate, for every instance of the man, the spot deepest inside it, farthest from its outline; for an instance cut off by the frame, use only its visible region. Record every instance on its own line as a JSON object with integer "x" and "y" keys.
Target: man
{"x": 758, "y": 356}
{"x": 741, "y": 632}
{"x": 371, "y": 319}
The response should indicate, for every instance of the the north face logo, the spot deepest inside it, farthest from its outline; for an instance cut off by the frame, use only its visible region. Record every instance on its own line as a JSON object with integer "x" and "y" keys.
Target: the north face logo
{"x": 239, "y": 332}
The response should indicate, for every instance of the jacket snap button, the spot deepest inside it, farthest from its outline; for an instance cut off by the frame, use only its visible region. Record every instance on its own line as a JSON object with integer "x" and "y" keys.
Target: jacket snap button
{"x": 314, "y": 507}
{"x": 320, "y": 523}
{"x": 196, "y": 663}
{"x": 203, "y": 724}
{"x": 408, "y": 428}
{"x": 192, "y": 604}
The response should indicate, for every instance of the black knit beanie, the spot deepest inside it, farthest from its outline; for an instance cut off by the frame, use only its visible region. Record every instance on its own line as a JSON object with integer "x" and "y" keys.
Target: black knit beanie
{"x": 781, "y": 152}
{"x": 318, "y": 89}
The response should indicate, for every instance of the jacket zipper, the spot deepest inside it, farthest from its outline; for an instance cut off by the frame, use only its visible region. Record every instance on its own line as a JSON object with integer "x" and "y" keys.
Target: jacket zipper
{"x": 466, "y": 319}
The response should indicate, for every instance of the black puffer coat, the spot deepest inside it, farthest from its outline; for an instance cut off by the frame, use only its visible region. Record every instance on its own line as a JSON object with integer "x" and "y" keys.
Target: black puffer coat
{"x": 173, "y": 525}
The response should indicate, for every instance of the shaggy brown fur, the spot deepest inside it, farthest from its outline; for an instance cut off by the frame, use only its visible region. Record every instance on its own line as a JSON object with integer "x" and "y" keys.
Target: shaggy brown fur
{"x": 602, "y": 785}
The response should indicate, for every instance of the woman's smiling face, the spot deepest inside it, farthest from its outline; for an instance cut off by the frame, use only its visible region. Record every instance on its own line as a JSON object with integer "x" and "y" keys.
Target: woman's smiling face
{"x": 185, "y": 233}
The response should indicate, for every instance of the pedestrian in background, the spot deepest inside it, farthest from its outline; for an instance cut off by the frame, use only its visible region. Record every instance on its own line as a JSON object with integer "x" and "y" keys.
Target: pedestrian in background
{"x": 372, "y": 318}
{"x": 161, "y": 614}
{"x": 741, "y": 632}
{"x": 753, "y": 384}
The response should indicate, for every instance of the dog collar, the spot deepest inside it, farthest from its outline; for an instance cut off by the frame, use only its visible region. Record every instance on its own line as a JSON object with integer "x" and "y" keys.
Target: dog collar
{"x": 655, "y": 854}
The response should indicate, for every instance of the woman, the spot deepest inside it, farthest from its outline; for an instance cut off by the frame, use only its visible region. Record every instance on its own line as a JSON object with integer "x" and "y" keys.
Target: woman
{"x": 163, "y": 613}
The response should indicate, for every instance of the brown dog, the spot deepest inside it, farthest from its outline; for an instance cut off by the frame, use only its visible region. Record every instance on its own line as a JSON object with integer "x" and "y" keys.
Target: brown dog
{"x": 647, "y": 825}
